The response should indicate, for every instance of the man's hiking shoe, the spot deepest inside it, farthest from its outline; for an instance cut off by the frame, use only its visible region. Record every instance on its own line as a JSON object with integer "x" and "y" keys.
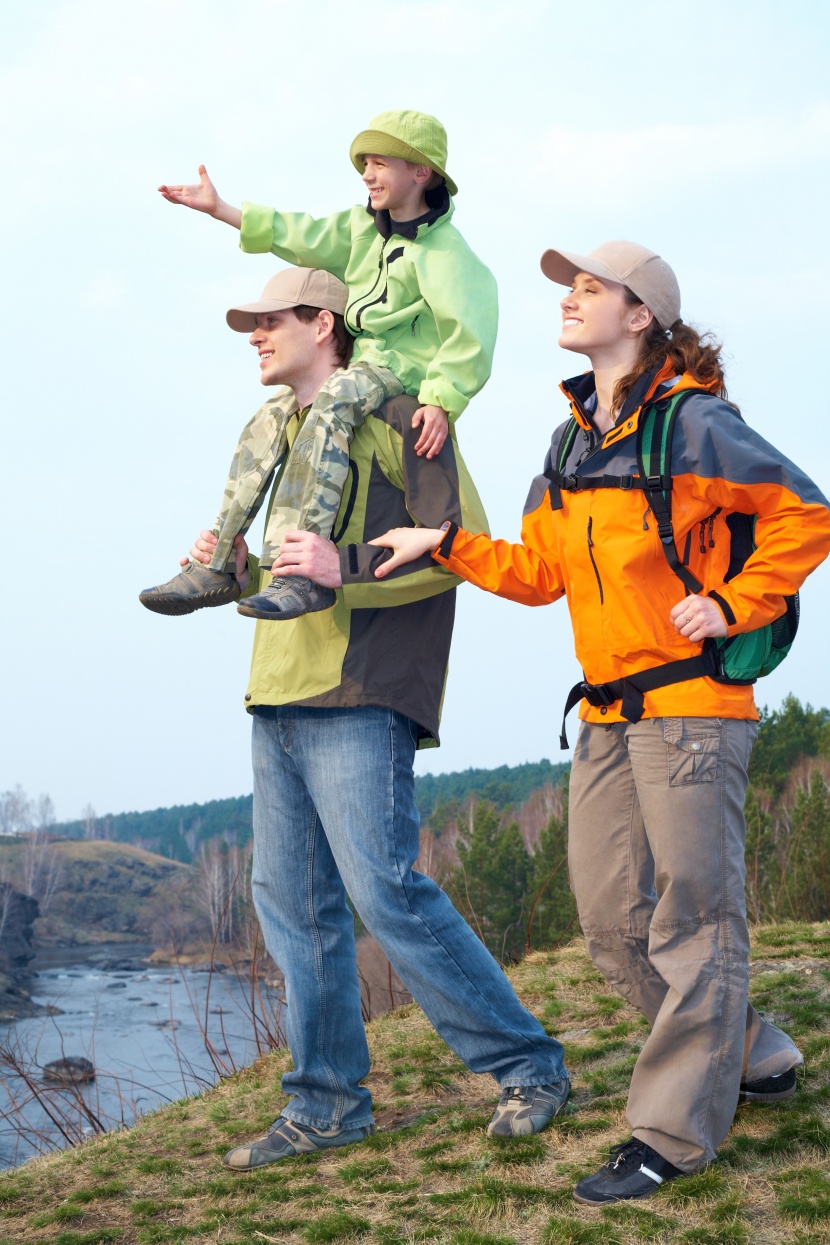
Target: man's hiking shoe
{"x": 770, "y": 1089}
{"x": 634, "y": 1170}
{"x": 288, "y": 596}
{"x": 527, "y": 1109}
{"x": 285, "y": 1138}
{"x": 194, "y": 588}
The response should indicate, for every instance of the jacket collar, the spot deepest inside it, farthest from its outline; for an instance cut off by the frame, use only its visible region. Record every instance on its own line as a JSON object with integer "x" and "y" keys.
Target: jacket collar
{"x": 662, "y": 381}
{"x": 439, "y": 205}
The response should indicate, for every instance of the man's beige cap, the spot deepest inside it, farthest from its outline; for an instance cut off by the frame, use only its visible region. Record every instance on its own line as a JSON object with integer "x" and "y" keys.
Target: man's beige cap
{"x": 646, "y": 274}
{"x": 293, "y": 287}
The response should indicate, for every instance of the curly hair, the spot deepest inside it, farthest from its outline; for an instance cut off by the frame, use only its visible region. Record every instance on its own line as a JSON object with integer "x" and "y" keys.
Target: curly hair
{"x": 683, "y": 346}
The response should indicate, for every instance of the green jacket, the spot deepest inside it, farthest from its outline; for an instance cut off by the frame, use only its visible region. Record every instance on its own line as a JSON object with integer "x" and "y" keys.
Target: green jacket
{"x": 386, "y": 641}
{"x": 427, "y": 309}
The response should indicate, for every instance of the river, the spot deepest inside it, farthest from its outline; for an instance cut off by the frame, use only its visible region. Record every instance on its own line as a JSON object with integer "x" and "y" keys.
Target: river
{"x": 143, "y": 1028}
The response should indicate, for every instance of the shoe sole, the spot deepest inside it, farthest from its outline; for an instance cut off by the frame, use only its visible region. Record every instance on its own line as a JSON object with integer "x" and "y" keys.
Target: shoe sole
{"x": 745, "y": 1096}
{"x": 175, "y": 606}
{"x": 249, "y": 611}
{"x": 610, "y": 1201}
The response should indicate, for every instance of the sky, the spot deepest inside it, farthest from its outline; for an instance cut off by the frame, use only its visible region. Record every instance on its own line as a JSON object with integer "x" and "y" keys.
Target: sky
{"x": 702, "y": 133}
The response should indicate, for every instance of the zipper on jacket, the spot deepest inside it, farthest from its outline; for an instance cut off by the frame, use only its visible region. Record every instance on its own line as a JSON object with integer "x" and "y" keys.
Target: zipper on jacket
{"x": 381, "y": 298}
{"x": 414, "y": 322}
{"x": 593, "y": 563}
{"x": 352, "y": 305}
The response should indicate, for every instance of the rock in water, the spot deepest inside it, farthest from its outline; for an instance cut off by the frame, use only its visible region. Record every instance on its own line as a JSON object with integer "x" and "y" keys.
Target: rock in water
{"x": 71, "y": 1070}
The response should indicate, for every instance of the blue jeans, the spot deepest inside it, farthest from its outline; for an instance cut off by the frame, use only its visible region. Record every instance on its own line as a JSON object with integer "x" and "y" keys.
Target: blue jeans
{"x": 334, "y": 814}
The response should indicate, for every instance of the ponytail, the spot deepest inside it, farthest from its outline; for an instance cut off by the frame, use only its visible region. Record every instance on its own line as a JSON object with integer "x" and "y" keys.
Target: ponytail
{"x": 683, "y": 347}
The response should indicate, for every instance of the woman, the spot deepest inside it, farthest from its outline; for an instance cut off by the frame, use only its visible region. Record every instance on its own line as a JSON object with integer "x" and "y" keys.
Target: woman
{"x": 659, "y": 773}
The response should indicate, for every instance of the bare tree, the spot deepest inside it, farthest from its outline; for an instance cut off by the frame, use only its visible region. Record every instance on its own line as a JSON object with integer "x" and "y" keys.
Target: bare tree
{"x": 15, "y": 811}
{"x": 89, "y": 820}
{"x": 43, "y": 812}
{"x": 223, "y": 887}
{"x": 41, "y": 866}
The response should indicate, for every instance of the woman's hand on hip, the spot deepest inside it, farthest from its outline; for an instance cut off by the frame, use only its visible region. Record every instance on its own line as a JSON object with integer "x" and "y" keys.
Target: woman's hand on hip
{"x": 697, "y": 618}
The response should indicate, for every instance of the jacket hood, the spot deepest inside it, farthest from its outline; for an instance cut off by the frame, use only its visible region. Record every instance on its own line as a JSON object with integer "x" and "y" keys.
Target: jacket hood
{"x": 439, "y": 204}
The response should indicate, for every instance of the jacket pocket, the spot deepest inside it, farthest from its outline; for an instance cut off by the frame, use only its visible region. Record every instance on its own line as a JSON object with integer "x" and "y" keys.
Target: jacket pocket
{"x": 692, "y": 750}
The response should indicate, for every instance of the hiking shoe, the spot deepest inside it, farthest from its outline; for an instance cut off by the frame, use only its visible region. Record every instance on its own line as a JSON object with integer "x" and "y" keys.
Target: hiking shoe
{"x": 770, "y": 1089}
{"x": 634, "y": 1170}
{"x": 194, "y": 588}
{"x": 288, "y": 596}
{"x": 527, "y": 1109}
{"x": 285, "y": 1138}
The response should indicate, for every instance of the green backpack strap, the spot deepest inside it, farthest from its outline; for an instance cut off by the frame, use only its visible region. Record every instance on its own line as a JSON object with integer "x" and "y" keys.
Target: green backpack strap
{"x": 555, "y": 472}
{"x": 654, "y": 444}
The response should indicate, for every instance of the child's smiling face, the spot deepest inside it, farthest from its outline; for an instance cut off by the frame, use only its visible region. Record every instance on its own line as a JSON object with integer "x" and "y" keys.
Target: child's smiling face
{"x": 396, "y": 185}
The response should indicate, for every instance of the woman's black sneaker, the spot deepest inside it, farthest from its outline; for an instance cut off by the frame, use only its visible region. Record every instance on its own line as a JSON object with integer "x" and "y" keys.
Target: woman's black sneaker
{"x": 634, "y": 1170}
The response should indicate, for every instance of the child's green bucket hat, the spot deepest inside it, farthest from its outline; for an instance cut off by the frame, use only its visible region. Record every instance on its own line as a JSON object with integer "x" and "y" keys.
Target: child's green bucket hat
{"x": 413, "y": 136}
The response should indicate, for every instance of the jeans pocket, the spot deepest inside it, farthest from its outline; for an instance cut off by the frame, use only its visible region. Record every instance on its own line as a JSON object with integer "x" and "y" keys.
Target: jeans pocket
{"x": 693, "y": 750}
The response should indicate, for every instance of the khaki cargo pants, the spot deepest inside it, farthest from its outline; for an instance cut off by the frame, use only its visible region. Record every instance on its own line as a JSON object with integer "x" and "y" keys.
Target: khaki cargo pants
{"x": 656, "y": 856}
{"x": 315, "y": 472}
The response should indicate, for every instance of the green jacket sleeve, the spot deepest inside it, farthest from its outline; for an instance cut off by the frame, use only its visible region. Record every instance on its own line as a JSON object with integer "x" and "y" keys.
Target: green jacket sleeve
{"x": 434, "y": 490}
{"x": 463, "y": 298}
{"x": 298, "y": 237}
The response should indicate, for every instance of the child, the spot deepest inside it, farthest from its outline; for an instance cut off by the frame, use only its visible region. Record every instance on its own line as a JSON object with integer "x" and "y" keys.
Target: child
{"x": 423, "y": 310}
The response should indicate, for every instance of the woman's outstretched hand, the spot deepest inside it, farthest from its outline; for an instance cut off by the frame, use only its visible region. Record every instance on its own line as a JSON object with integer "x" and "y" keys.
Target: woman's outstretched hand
{"x": 407, "y": 544}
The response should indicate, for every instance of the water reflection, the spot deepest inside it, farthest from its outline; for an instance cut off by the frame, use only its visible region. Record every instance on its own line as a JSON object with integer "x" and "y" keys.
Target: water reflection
{"x": 144, "y": 1031}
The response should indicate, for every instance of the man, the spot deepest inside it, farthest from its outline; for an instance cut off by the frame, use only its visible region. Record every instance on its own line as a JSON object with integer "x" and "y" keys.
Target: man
{"x": 340, "y": 700}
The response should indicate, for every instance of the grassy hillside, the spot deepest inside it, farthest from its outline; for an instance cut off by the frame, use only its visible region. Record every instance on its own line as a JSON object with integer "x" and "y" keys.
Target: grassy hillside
{"x": 105, "y": 891}
{"x": 430, "y": 1174}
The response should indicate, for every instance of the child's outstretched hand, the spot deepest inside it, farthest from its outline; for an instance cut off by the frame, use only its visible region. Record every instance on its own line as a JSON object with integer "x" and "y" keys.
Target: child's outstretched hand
{"x": 434, "y": 432}
{"x": 203, "y": 198}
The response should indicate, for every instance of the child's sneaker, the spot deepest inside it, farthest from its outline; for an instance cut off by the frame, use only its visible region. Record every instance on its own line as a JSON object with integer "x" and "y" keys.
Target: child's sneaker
{"x": 196, "y": 587}
{"x": 288, "y": 596}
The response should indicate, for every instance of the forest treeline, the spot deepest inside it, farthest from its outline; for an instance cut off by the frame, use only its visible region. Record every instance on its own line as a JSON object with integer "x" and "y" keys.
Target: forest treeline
{"x": 179, "y": 832}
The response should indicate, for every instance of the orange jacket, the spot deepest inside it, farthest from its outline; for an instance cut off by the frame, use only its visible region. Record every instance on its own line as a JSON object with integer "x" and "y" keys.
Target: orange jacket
{"x": 601, "y": 550}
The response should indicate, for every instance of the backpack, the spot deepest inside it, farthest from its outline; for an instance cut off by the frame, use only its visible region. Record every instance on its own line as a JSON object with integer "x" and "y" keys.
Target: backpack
{"x": 726, "y": 659}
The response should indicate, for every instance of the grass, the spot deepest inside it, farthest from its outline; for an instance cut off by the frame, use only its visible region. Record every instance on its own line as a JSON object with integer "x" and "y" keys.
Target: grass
{"x": 430, "y": 1175}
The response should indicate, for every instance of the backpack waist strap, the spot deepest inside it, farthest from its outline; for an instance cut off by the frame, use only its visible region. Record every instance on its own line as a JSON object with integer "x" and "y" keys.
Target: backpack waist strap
{"x": 631, "y": 689}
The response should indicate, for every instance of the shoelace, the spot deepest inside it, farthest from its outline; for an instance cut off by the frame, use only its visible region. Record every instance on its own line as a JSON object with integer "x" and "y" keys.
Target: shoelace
{"x": 513, "y": 1091}
{"x": 621, "y": 1154}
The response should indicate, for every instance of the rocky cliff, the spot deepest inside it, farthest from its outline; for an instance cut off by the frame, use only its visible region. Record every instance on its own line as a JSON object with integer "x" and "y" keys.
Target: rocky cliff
{"x": 17, "y": 916}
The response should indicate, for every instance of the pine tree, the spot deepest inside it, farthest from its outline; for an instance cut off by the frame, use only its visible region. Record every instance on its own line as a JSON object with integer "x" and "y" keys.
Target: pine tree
{"x": 550, "y": 900}
{"x": 491, "y": 882}
{"x": 762, "y": 870}
{"x": 806, "y": 881}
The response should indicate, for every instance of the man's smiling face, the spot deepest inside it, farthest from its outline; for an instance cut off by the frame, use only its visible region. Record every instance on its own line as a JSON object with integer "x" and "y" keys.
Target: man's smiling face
{"x": 287, "y": 347}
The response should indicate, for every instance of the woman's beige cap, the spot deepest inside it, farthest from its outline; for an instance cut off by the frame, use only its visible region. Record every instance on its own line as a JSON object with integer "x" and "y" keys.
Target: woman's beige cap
{"x": 293, "y": 287}
{"x": 408, "y": 135}
{"x": 646, "y": 274}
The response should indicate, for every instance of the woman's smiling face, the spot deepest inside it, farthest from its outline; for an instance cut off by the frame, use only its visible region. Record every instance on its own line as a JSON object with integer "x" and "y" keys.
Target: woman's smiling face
{"x": 595, "y": 315}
